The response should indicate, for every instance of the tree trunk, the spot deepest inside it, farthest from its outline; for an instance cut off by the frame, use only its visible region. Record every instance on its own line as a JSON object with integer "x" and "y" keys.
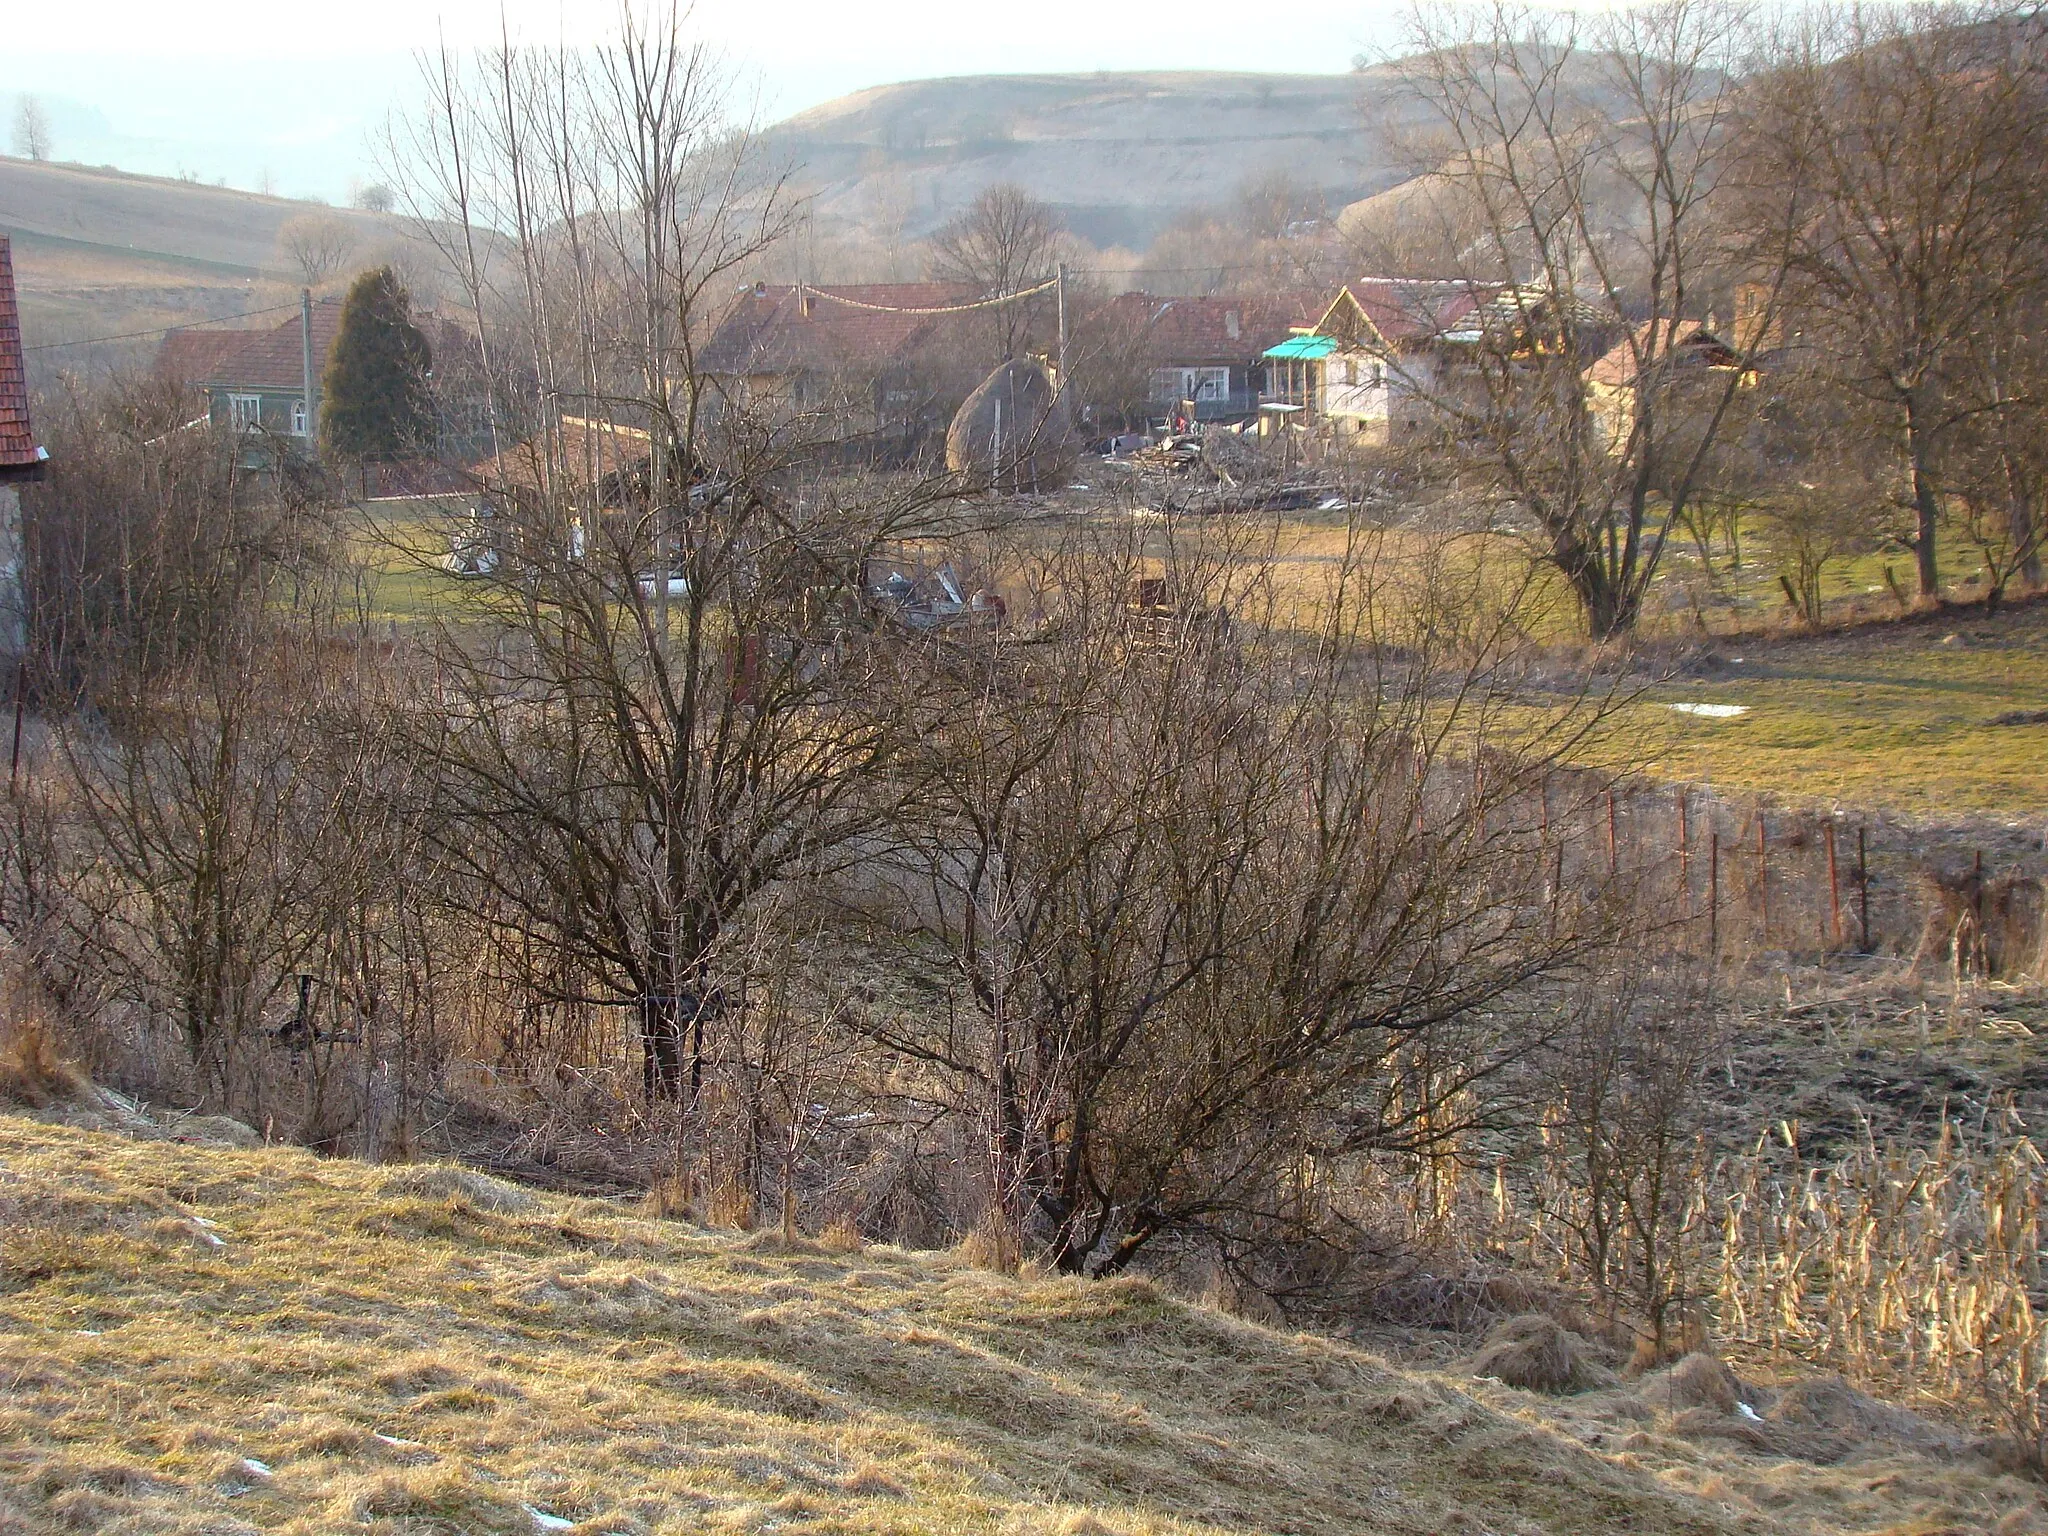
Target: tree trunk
{"x": 1926, "y": 509}
{"x": 661, "y": 1042}
{"x": 2023, "y": 531}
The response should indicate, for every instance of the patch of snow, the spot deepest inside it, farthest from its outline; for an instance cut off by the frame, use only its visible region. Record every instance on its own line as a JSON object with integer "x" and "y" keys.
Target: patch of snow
{"x": 1749, "y": 1413}
{"x": 255, "y": 1468}
{"x": 395, "y": 1442}
{"x": 1711, "y": 711}
{"x": 542, "y": 1520}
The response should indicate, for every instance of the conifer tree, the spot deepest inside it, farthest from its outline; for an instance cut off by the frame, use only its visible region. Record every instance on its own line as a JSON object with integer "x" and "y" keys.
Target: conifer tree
{"x": 374, "y": 400}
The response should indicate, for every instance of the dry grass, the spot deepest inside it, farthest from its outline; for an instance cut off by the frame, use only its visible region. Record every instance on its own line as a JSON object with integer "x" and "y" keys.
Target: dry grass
{"x": 203, "y": 1339}
{"x": 1905, "y": 1265}
{"x": 33, "y": 1073}
{"x": 1811, "y": 1455}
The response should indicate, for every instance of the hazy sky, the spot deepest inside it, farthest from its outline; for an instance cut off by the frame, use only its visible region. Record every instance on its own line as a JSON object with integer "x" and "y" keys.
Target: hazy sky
{"x": 290, "y": 94}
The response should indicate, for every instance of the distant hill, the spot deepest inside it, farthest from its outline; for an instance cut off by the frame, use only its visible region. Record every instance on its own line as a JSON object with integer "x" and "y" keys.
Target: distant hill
{"x": 99, "y": 252}
{"x": 1118, "y": 154}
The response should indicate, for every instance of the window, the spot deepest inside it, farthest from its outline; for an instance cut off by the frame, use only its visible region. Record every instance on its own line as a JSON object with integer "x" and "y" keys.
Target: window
{"x": 298, "y": 418}
{"x": 1197, "y": 384}
{"x": 245, "y": 411}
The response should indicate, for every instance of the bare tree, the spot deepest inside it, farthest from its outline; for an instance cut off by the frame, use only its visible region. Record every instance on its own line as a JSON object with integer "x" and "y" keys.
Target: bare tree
{"x": 1917, "y": 208}
{"x": 648, "y": 716}
{"x": 1995, "y": 457}
{"x": 1587, "y": 152}
{"x": 1623, "y": 1139}
{"x": 1219, "y": 900}
{"x": 1004, "y": 241}
{"x": 316, "y": 245}
{"x": 31, "y": 129}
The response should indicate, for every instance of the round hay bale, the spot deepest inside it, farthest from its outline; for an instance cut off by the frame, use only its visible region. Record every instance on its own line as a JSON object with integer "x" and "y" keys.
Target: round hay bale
{"x": 1014, "y": 433}
{"x": 1539, "y": 1354}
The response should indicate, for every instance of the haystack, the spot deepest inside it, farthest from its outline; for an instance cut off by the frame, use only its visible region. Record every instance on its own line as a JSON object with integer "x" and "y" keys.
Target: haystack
{"x": 1539, "y": 1354}
{"x": 1014, "y": 433}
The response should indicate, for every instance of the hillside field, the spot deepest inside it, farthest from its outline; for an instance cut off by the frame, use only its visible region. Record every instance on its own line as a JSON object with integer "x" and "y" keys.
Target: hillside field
{"x": 425, "y": 1349}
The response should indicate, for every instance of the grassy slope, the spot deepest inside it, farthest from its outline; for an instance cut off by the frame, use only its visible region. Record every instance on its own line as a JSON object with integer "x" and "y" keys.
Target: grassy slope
{"x": 1893, "y": 715}
{"x": 641, "y": 1375}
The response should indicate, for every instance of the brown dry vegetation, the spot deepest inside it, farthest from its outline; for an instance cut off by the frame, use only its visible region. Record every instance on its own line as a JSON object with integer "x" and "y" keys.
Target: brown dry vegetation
{"x": 424, "y": 1348}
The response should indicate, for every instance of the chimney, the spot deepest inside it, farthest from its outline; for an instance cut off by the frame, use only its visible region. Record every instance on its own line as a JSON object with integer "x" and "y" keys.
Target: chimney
{"x": 803, "y": 301}
{"x": 1232, "y": 325}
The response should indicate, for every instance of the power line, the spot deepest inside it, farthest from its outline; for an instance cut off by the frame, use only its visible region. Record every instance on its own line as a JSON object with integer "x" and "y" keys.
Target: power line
{"x": 162, "y": 330}
{"x": 942, "y": 309}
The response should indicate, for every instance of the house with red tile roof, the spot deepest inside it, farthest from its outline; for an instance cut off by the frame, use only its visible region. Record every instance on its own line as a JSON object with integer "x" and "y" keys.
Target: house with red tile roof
{"x": 254, "y": 380}
{"x": 1209, "y": 351}
{"x": 21, "y": 457}
{"x": 1375, "y": 363}
{"x": 880, "y": 363}
{"x": 184, "y": 357}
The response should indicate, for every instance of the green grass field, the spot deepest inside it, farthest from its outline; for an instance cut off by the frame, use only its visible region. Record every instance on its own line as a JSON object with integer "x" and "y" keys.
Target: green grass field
{"x": 1893, "y": 713}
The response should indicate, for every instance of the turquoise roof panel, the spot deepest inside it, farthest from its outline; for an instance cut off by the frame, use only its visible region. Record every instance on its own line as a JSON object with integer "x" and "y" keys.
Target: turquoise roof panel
{"x": 1304, "y": 347}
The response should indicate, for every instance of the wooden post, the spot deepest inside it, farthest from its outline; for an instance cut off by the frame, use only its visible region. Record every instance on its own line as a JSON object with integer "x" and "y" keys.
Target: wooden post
{"x": 1714, "y": 895}
{"x": 1613, "y": 864}
{"x": 1977, "y": 909}
{"x": 1684, "y": 858}
{"x": 20, "y": 702}
{"x": 1763, "y": 879}
{"x": 1834, "y": 889}
{"x": 1863, "y": 883}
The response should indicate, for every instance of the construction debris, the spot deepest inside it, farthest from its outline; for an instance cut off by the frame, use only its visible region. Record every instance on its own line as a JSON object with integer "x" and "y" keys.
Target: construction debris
{"x": 935, "y": 601}
{"x": 1218, "y": 470}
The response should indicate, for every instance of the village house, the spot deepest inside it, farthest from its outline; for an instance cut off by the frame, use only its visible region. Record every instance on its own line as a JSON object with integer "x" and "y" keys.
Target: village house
{"x": 1683, "y": 354}
{"x": 876, "y": 367}
{"x": 1368, "y": 367}
{"x": 1205, "y": 358}
{"x": 263, "y": 381}
{"x": 1391, "y": 357}
{"x": 22, "y": 459}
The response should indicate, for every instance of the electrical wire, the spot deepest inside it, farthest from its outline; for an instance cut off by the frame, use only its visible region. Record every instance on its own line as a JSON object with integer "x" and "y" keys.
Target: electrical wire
{"x": 162, "y": 330}
{"x": 944, "y": 309}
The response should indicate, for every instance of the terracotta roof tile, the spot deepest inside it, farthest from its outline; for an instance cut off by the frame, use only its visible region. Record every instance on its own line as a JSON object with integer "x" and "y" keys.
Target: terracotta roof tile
{"x": 1694, "y": 346}
{"x": 1412, "y": 309}
{"x": 187, "y": 356}
{"x": 1220, "y": 329}
{"x": 590, "y": 451}
{"x": 771, "y": 330}
{"x": 18, "y": 451}
{"x": 275, "y": 359}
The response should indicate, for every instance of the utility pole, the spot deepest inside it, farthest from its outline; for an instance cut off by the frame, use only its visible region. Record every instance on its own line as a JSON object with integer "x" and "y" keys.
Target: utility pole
{"x": 1059, "y": 290}
{"x": 306, "y": 359}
